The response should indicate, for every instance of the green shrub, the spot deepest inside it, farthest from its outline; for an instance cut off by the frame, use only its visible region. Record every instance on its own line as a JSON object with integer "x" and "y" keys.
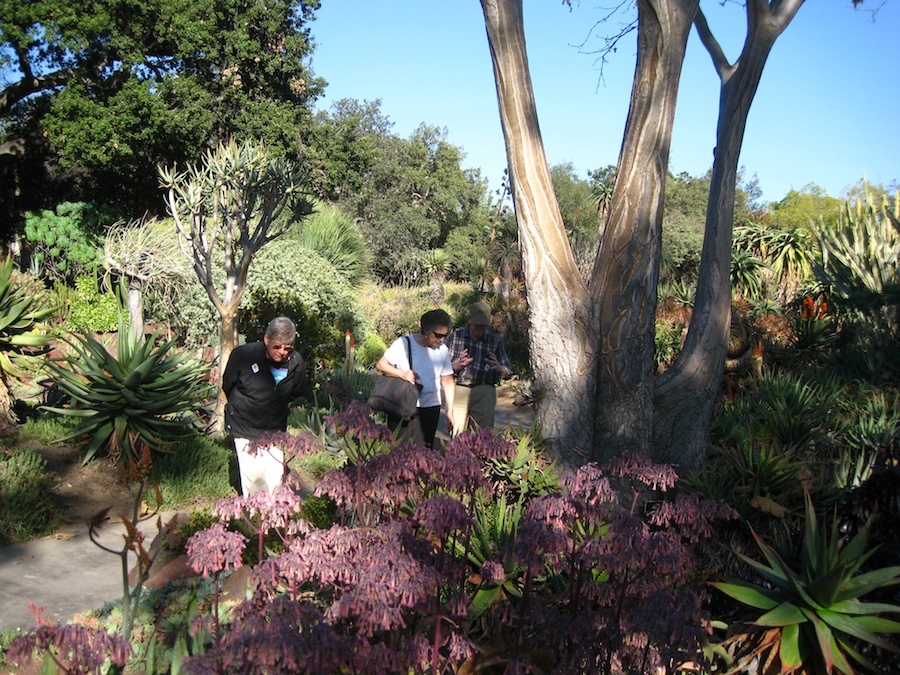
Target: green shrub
{"x": 370, "y": 349}
{"x": 66, "y": 242}
{"x": 317, "y": 339}
{"x": 332, "y": 234}
{"x": 393, "y": 311}
{"x": 294, "y": 273}
{"x": 196, "y": 471}
{"x": 320, "y": 511}
{"x": 91, "y": 310}
{"x": 293, "y": 269}
{"x": 26, "y": 508}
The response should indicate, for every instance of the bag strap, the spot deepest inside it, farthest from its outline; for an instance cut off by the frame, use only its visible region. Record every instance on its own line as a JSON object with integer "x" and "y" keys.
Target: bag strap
{"x": 409, "y": 352}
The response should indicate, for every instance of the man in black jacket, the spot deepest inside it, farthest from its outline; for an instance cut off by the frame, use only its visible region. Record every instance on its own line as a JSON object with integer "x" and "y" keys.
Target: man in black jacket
{"x": 260, "y": 380}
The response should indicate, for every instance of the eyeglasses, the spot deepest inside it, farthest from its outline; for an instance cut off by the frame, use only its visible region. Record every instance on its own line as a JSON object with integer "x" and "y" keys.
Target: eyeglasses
{"x": 439, "y": 336}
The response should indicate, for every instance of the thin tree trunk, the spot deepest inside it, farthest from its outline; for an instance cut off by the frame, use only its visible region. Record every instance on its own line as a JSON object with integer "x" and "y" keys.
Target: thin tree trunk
{"x": 626, "y": 271}
{"x": 562, "y": 329}
{"x": 685, "y": 395}
{"x": 136, "y": 308}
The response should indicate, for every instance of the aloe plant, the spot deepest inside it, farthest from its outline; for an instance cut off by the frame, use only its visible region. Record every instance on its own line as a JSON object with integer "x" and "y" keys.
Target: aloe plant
{"x": 21, "y": 333}
{"x": 144, "y": 393}
{"x": 813, "y": 620}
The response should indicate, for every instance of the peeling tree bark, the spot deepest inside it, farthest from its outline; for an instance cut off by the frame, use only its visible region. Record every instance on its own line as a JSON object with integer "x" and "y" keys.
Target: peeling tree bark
{"x": 685, "y": 395}
{"x": 625, "y": 275}
{"x": 562, "y": 327}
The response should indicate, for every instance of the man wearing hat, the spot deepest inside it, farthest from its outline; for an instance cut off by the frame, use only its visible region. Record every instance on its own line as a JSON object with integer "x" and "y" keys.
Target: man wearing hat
{"x": 480, "y": 363}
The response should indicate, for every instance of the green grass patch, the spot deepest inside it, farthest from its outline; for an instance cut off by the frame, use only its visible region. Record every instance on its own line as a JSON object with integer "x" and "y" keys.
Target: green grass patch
{"x": 26, "y": 508}
{"x": 45, "y": 428}
{"x": 197, "y": 471}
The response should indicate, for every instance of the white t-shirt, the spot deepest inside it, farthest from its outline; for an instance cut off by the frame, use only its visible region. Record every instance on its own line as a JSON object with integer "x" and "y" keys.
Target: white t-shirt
{"x": 429, "y": 378}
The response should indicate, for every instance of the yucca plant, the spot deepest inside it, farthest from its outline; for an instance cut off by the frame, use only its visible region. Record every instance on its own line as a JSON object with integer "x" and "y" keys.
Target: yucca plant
{"x": 144, "y": 393}
{"x": 813, "y": 620}
{"x": 21, "y": 334}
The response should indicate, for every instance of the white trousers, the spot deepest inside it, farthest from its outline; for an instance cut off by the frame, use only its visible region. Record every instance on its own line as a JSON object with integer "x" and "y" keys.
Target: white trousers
{"x": 262, "y": 469}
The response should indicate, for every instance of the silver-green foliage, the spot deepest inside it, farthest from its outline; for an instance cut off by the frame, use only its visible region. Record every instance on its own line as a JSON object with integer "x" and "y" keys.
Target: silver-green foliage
{"x": 860, "y": 256}
{"x": 859, "y": 266}
{"x": 142, "y": 392}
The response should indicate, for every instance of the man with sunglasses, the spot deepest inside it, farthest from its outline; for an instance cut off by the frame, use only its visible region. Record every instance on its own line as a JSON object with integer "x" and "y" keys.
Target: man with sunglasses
{"x": 479, "y": 364}
{"x": 430, "y": 370}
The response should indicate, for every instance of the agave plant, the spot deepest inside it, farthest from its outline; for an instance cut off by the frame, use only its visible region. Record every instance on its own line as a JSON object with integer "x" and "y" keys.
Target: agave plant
{"x": 20, "y": 333}
{"x": 813, "y": 620}
{"x": 146, "y": 393}
{"x": 747, "y": 273}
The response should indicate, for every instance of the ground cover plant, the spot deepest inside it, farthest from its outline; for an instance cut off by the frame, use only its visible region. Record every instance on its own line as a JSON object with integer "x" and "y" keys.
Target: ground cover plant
{"x": 478, "y": 554}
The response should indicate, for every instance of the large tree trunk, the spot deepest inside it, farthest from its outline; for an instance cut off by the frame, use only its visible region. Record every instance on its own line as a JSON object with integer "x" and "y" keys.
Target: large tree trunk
{"x": 626, "y": 271}
{"x": 562, "y": 327}
{"x": 686, "y": 394}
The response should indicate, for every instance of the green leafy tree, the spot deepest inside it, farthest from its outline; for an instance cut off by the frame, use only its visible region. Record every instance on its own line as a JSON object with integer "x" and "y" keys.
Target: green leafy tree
{"x": 107, "y": 90}
{"x": 406, "y": 195}
{"x": 801, "y": 208}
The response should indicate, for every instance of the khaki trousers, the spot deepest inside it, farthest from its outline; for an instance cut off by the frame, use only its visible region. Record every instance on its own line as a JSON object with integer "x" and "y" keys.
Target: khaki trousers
{"x": 473, "y": 407}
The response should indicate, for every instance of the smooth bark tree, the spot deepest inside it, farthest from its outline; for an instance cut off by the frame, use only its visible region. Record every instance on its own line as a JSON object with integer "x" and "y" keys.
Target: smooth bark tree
{"x": 685, "y": 394}
{"x": 592, "y": 343}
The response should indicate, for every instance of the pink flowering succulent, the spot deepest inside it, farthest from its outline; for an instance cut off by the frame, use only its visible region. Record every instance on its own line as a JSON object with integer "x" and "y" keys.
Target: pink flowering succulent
{"x": 215, "y": 550}
{"x": 75, "y": 648}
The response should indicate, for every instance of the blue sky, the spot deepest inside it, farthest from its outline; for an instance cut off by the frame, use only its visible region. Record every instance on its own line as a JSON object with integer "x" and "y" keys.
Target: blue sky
{"x": 826, "y": 111}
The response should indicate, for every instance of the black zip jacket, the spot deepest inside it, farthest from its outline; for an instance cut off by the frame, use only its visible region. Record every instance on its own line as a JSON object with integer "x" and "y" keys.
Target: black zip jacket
{"x": 255, "y": 405}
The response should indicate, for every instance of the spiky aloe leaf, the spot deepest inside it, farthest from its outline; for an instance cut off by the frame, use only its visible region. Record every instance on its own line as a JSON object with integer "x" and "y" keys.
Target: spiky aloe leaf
{"x": 785, "y": 614}
{"x": 865, "y": 583}
{"x": 789, "y": 649}
{"x": 749, "y": 594}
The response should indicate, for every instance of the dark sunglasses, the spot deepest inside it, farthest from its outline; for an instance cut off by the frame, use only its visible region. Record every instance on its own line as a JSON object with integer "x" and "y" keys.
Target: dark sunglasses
{"x": 439, "y": 336}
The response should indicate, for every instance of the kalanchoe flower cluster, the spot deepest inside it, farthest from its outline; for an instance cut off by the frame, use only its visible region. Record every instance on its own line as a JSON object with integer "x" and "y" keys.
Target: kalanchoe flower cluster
{"x": 484, "y": 444}
{"x": 439, "y": 561}
{"x": 287, "y": 636}
{"x": 638, "y": 467}
{"x": 363, "y": 437}
{"x": 215, "y": 550}
{"x": 76, "y": 648}
{"x": 299, "y": 445}
{"x": 275, "y": 509}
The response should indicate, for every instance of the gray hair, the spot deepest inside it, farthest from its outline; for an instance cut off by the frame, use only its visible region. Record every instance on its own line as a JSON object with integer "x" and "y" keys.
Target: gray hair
{"x": 281, "y": 329}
